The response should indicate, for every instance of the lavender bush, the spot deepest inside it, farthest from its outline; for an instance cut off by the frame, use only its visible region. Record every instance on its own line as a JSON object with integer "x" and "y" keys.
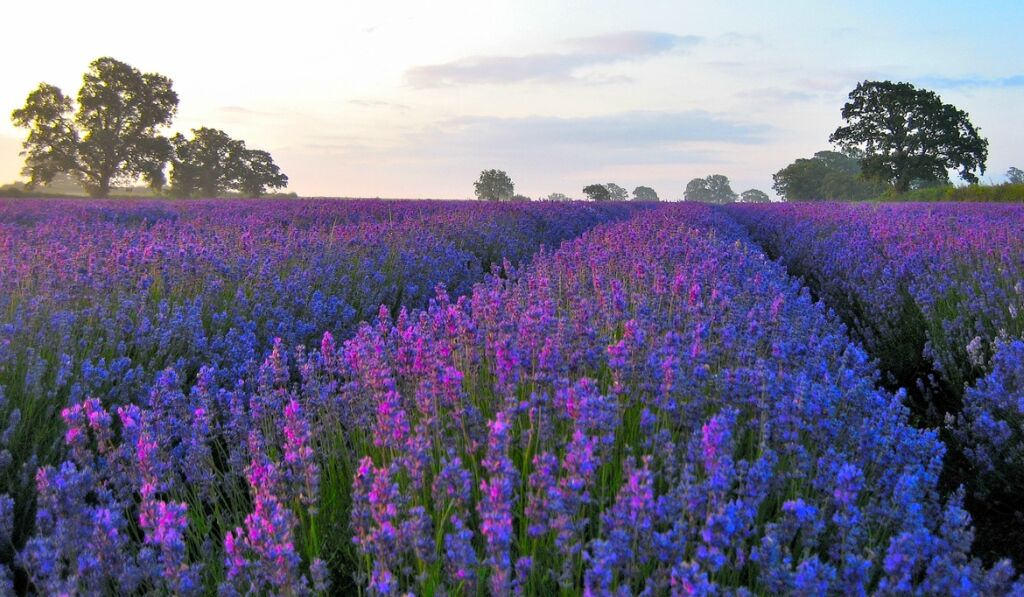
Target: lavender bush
{"x": 928, "y": 288}
{"x": 989, "y": 433}
{"x": 932, "y": 290}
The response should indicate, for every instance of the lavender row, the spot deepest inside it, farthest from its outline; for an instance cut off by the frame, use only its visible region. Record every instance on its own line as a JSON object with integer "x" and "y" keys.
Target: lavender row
{"x": 929, "y": 288}
{"x": 96, "y": 298}
{"x": 654, "y": 408}
{"x": 936, "y": 293}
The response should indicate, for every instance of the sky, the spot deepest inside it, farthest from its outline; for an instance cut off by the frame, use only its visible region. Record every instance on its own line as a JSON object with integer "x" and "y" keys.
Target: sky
{"x": 414, "y": 99}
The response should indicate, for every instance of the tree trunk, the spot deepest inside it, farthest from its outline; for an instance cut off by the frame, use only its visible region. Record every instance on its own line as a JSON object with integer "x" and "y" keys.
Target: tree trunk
{"x": 102, "y": 190}
{"x": 902, "y": 185}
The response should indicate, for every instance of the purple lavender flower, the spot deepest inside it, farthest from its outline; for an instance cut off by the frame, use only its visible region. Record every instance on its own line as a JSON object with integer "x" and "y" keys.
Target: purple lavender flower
{"x": 300, "y": 467}
{"x": 627, "y": 528}
{"x": 460, "y": 556}
{"x": 497, "y": 500}
{"x": 82, "y": 544}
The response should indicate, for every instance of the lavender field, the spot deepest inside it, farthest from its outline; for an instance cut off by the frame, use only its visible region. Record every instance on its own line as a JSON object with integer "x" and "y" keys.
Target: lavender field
{"x": 445, "y": 398}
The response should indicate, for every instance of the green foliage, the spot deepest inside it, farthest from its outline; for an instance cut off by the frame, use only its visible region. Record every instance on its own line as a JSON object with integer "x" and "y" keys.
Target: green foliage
{"x": 1015, "y": 175}
{"x": 212, "y": 162}
{"x": 111, "y": 139}
{"x": 256, "y": 172}
{"x": 202, "y": 164}
{"x": 908, "y": 134}
{"x": 557, "y": 197}
{"x": 754, "y": 196}
{"x": 644, "y": 194}
{"x": 616, "y": 193}
{"x": 597, "y": 192}
{"x": 713, "y": 189}
{"x": 494, "y": 185}
{"x": 52, "y": 143}
{"x": 517, "y": 198}
{"x": 828, "y": 176}
{"x": 1003, "y": 193}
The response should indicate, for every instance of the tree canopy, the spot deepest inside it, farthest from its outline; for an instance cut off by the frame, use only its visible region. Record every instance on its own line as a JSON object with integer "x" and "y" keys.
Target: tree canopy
{"x": 494, "y": 185}
{"x": 713, "y": 189}
{"x": 211, "y": 162}
{"x": 597, "y": 192}
{"x": 113, "y": 135}
{"x": 754, "y": 196}
{"x": 616, "y": 193}
{"x": 203, "y": 165}
{"x": 828, "y": 176}
{"x": 257, "y": 172}
{"x": 907, "y": 134}
{"x": 557, "y": 197}
{"x": 643, "y": 193}
{"x": 1015, "y": 175}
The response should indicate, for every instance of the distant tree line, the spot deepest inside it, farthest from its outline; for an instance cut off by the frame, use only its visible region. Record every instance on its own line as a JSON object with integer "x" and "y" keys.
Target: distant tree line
{"x": 717, "y": 189}
{"x": 110, "y": 136}
{"x": 497, "y": 185}
{"x": 895, "y": 138}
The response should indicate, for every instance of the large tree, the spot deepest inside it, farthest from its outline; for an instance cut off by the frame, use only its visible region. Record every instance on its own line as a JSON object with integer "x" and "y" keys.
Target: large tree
{"x": 643, "y": 193}
{"x": 204, "y": 164}
{"x": 616, "y": 193}
{"x": 211, "y": 162}
{"x": 256, "y": 172}
{"x": 1015, "y": 175}
{"x": 494, "y": 185}
{"x": 829, "y": 175}
{"x": 597, "y": 192}
{"x": 113, "y": 135}
{"x": 754, "y": 196}
{"x": 908, "y": 134}
{"x": 713, "y": 189}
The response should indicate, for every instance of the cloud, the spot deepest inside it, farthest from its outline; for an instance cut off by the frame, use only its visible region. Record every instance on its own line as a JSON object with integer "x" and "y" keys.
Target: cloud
{"x": 580, "y": 144}
{"x": 733, "y": 38}
{"x": 1013, "y": 81}
{"x": 631, "y": 44}
{"x": 543, "y": 153}
{"x": 372, "y": 103}
{"x": 619, "y": 130}
{"x": 242, "y": 111}
{"x": 777, "y": 94}
{"x": 553, "y": 66}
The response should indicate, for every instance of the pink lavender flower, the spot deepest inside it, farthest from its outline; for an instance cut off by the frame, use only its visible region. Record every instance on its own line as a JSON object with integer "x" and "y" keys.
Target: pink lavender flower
{"x": 88, "y": 430}
{"x": 164, "y": 525}
{"x": 391, "y": 428}
{"x": 261, "y": 556}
